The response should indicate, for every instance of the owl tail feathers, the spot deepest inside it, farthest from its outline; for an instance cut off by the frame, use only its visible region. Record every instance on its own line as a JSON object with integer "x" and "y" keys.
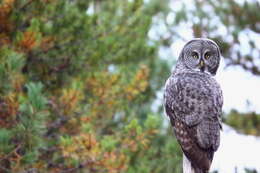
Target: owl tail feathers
{"x": 189, "y": 168}
{"x": 198, "y": 170}
{"x": 203, "y": 167}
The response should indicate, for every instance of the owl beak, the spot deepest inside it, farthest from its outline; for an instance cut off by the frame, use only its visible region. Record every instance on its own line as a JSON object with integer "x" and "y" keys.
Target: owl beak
{"x": 202, "y": 65}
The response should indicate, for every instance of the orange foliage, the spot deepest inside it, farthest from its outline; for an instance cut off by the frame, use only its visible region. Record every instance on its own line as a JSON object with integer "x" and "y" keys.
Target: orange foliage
{"x": 104, "y": 87}
{"x": 82, "y": 147}
{"x": 67, "y": 105}
{"x": 6, "y": 25}
{"x": 134, "y": 141}
{"x": 18, "y": 81}
{"x": 16, "y": 160}
{"x": 70, "y": 99}
{"x": 28, "y": 41}
{"x": 46, "y": 43}
{"x": 6, "y": 7}
{"x": 8, "y": 110}
{"x": 48, "y": 1}
{"x": 110, "y": 91}
{"x": 13, "y": 105}
{"x": 138, "y": 84}
{"x": 4, "y": 39}
{"x": 86, "y": 148}
{"x": 114, "y": 161}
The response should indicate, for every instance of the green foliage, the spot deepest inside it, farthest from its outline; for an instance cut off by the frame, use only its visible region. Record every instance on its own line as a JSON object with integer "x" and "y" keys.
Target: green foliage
{"x": 77, "y": 82}
{"x": 5, "y": 136}
{"x": 31, "y": 125}
{"x": 248, "y": 123}
{"x": 35, "y": 97}
{"x": 11, "y": 64}
{"x": 108, "y": 143}
{"x": 250, "y": 170}
{"x": 165, "y": 157}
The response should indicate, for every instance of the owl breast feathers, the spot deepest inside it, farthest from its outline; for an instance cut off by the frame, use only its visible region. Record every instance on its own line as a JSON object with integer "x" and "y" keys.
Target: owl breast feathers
{"x": 193, "y": 101}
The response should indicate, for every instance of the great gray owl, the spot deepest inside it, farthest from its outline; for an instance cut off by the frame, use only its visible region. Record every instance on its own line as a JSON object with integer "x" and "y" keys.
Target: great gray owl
{"x": 193, "y": 101}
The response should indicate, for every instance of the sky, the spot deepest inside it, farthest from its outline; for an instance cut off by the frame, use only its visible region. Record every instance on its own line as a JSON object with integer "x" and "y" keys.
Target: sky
{"x": 236, "y": 152}
{"x": 240, "y": 89}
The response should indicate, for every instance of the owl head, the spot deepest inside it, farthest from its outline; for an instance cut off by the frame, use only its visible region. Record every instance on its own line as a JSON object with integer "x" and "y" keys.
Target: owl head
{"x": 200, "y": 54}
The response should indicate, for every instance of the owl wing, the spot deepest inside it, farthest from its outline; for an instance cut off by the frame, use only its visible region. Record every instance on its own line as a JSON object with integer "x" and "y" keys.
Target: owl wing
{"x": 193, "y": 106}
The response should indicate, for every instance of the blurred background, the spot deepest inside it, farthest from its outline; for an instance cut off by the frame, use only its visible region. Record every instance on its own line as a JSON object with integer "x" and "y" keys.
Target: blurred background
{"x": 81, "y": 83}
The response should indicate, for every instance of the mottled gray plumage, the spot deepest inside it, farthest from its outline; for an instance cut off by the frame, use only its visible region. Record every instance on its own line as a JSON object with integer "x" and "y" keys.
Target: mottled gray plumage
{"x": 193, "y": 101}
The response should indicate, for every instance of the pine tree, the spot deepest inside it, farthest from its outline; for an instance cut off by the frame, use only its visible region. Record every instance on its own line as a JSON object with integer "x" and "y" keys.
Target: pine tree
{"x": 77, "y": 82}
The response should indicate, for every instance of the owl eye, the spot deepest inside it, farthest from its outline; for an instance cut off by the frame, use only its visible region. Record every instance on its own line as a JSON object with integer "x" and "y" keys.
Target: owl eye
{"x": 207, "y": 55}
{"x": 195, "y": 55}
